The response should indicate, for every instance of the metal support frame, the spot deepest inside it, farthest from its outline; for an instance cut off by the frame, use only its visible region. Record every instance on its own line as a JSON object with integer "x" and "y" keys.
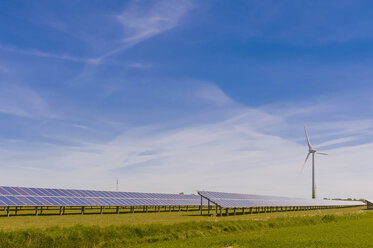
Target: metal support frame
{"x": 83, "y": 208}
{"x": 117, "y": 209}
{"x": 36, "y": 211}
{"x": 200, "y": 207}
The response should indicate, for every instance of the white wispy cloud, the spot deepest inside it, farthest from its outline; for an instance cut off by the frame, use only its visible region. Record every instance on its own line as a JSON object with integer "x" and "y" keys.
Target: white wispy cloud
{"x": 212, "y": 93}
{"x": 140, "y": 21}
{"x": 22, "y": 101}
{"x": 337, "y": 141}
{"x": 144, "y": 22}
{"x": 38, "y": 53}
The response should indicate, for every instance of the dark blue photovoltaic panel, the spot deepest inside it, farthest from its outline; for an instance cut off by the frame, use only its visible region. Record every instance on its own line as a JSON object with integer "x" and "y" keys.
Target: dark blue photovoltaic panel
{"x": 81, "y": 193}
{"x": 102, "y": 194}
{"x": 92, "y": 202}
{"x": 116, "y": 194}
{"x": 37, "y": 192}
{"x": 121, "y": 202}
{"x": 60, "y": 201}
{"x": 84, "y": 201}
{"x": 111, "y": 194}
{"x": 10, "y": 190}
{"x": 18, "y": 190}
{"x": 96, "y": 194}
{"x": 74, "y": 201}
{"x": 99, "y": 201}
{"x": 104, "y": 201}
{"x": 72, "y": 193}
{"x": 58, "y": 192}
{"x": 44, "y": 200}
{"x": 3, "y": 191}
{"x": 35, "y": 201}
{"x": 15, "y": 200}
{"x": 28, "y": 191}
{"x": 65, "y": 201}
{"x": 61, "y": 192}
{"x": 112, "y": 202}
{"x": 45, "y": 192}
{"x": 131, "y": 202}
{"x": 7, "y": 201}
{"x": 89, "y": 193}
{"x": 48, "y": 192}
{"x": 25, "y": 201}
{"x": 52, "y": 201}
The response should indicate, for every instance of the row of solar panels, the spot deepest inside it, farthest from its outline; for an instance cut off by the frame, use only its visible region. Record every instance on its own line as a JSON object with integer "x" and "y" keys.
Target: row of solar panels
{"x": 23, "y": 191}
{"x": 228, "y": 200}
{"x": 75, "y": 201}
{"x": 20, "y": 196}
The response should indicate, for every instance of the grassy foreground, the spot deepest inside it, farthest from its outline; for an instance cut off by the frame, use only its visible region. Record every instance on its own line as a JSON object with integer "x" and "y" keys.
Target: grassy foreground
{"x": 326, "y": 228}
{"x": 165, "y": 218}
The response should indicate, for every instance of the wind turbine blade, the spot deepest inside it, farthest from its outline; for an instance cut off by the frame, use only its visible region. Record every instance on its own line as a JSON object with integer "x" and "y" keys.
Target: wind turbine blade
{"x": 322, "y": 153}
{"x": 305, "y": 161}
{"x": 308, "y": 139}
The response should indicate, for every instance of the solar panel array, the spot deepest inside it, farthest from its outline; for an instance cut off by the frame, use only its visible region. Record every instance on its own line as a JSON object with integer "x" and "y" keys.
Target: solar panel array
{"x": 232, "y": 200}
{"x": 369, "y": 204}
{"x": 22, "y": 196}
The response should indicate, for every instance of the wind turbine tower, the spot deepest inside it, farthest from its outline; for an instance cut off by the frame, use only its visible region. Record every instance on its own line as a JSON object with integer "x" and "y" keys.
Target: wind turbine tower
{"x": 313, "y": 151}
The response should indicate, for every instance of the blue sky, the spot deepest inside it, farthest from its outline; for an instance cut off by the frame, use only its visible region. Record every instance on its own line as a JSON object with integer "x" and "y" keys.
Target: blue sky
{"x": 182, "y": 95}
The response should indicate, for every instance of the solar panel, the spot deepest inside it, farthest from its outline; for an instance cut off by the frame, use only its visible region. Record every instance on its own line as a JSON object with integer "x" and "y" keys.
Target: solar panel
{"x": 2, "y": 191}
{"x": 22, "y": 196}
{"x": 234, "y": 200}
{"x": 7, "y": 201}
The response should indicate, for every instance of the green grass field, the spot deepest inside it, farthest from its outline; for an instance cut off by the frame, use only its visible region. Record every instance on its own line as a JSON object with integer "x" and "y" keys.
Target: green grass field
{"x": 345, "y": 227}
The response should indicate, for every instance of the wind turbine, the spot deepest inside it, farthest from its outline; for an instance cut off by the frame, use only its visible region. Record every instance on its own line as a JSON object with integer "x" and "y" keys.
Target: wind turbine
{"x": 313, "y": 151}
